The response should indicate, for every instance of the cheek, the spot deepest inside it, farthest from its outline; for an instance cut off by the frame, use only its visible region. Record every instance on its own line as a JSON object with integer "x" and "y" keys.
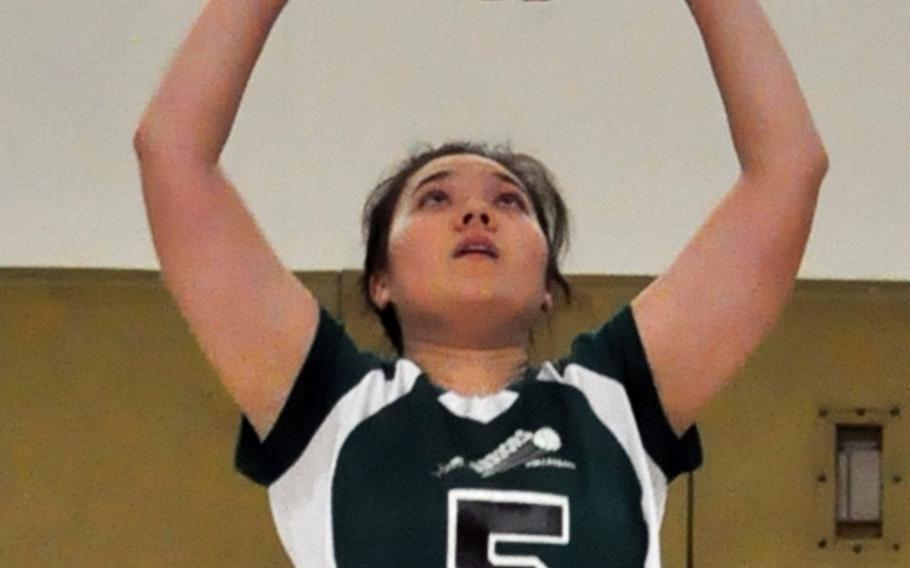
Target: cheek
{"x": 541, "y": 260}
{"x": 410, "y": 246}
{"x": 538, "y": 252}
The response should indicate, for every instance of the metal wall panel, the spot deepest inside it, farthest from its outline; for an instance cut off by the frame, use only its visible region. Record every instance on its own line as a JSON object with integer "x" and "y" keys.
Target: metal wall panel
{"x": 118, "y": 439}
{"x": 766, "y": 495}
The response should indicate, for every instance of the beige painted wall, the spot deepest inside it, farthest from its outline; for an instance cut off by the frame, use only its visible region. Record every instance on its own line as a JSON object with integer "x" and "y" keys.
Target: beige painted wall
{"x": 616, "y": 97}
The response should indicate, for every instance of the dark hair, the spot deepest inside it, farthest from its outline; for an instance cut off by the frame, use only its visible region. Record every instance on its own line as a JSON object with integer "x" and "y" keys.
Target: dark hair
{"x": 382, "y": 201}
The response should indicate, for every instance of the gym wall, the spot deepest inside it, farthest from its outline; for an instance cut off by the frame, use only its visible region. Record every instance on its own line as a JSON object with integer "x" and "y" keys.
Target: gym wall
{"x": 117, "y": 440}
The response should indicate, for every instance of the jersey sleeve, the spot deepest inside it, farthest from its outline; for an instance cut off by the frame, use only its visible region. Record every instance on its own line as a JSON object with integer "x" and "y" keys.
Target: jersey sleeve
{"x": 333, "y": 366}
{"x": 615, "y": 350}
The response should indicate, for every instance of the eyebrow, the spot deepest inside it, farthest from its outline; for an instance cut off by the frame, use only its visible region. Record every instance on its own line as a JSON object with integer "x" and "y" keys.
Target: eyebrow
{"x": 442, "y": 174}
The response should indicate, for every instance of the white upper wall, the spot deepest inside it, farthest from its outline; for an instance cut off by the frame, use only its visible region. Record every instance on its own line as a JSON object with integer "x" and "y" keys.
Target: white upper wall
{"x": 617, "y": 98}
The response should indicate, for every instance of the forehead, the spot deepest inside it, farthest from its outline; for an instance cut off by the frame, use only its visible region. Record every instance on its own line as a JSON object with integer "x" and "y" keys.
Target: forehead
{"x": 459, "y": 163}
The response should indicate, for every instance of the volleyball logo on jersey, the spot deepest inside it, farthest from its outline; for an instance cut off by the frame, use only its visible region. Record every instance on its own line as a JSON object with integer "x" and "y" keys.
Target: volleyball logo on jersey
{"x": 523, "y": 448}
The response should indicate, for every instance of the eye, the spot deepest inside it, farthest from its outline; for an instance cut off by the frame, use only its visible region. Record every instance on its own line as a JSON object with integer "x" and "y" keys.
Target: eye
{"x": 434, "y": 196}
{"x": 512, "y": 199}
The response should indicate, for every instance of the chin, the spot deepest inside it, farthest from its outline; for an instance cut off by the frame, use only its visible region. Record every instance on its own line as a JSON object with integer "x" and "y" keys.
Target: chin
{"x": 503, "y": 305}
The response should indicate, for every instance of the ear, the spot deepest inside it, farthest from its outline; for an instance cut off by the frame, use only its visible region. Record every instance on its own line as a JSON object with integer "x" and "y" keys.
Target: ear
{"x": 379, "y": 289}
{"x": 547, "y": 302}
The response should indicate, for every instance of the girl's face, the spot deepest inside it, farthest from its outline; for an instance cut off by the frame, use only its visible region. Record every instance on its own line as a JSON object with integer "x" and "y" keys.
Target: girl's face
{"x": 448, "y": 202}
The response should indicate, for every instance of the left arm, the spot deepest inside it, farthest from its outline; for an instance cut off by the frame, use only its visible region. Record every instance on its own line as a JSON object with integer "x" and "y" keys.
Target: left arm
{"x": 701, "y": 319}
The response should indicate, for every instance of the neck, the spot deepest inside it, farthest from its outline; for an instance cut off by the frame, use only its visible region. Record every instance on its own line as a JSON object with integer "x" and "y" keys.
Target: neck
{"x": 468, "y": 371}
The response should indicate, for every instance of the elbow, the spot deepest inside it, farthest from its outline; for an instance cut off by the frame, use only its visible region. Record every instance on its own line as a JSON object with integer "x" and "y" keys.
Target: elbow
{"x": 152, "y": 146}
{"x": 814, "y": 160}
{"x": 817, "y": 162}
{"x": 816, "y": 169}
{"x": 139, "y": 138}
{"x": 153, "y": 143}
{"x": 824, "y": 164}
{"x": 806, "y": 167}
{"x": 142, "y": 142}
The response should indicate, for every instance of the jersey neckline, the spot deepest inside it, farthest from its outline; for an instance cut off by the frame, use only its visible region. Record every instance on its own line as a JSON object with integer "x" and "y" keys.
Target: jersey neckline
{"x": 515, "y": 385}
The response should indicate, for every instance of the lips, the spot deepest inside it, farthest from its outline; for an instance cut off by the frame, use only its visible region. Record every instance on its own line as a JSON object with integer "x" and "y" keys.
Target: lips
{"x": 476, "y": 245}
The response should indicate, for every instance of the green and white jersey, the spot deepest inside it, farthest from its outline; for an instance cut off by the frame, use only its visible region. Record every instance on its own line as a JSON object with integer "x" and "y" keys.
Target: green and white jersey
{"x": 370, "y": 464}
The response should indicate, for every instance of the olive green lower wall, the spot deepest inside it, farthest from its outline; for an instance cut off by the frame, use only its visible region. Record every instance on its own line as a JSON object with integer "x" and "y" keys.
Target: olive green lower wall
{"x": 117, "y": 440}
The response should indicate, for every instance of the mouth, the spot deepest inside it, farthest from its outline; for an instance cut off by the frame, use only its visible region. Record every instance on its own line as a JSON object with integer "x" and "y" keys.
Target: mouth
{"x": 476, "y": 247}
{"x": 476, "y": 253}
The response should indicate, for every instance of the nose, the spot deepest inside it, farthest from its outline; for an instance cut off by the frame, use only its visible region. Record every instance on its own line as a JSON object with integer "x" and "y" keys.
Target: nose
{"x": 470, "y": 216}
{"x": 476, "y": 209}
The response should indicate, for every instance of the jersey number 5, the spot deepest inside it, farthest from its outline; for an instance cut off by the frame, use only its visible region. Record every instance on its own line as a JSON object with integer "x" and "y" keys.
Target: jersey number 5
{"x": 479, "y": 519}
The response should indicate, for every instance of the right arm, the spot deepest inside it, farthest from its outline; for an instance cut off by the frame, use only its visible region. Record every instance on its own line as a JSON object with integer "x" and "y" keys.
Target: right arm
{"x": 252, "y": 318}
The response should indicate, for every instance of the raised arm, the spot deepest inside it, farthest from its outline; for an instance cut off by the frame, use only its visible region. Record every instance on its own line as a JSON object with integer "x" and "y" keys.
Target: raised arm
{"x": 252, "y": 318}
{"x": 722, "y": 295}
{"x": 197, "y": 101}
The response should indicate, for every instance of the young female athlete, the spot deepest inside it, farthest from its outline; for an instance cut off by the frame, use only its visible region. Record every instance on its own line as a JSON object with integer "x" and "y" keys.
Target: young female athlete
{"x": 458, "y": 452}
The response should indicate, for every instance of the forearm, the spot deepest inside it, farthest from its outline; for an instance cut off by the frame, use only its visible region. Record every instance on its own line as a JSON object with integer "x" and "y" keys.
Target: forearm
{"x": 196, "y": 103}
{"x": 769, "y": 120}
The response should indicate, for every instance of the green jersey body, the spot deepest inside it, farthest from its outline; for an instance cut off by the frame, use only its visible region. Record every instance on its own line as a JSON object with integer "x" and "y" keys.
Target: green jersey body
{"x": 370, "y": 464}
